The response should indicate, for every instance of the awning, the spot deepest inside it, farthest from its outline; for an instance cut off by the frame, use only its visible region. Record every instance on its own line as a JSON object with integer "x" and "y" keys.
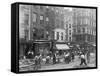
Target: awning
{"x": 62, "y": 46}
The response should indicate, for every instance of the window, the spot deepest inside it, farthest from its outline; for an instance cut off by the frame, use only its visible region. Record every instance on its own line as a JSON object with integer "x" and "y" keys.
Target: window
{"x": 66, "y": 25}
{"x": 92, "y": 32}
{"x": 61, "y": 35}
{"x": 57, "y": 35}
{"x": 69, "y": 25}
{"x": 74, "y": 30}
{"x": 69, "y": 38}
{"x": 47, "y": 19}
{"x": 87, "y": 31}
{"x": 34, "y": 17}
{"x": 52, "y": 34}
{"x": 81, "y": 21}
{"x": 52, "y": 8}
{"x": 57, "y": 11}
{"x": 62, "y": 23}
{"x": 83, "y": 30}
{"x": 79, "y": 31}
{"x": 69, "y": 32}
{"x": 41, "y": 17}
{"x": 86, "y": 21}
{"x": 26, "y": 34}
{"x": 26, "y": 19}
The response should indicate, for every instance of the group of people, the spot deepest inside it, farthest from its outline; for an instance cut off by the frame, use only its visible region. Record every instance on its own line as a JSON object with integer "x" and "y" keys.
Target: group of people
{"x": 55, "y": 58}
{"x": 69, "y": 57}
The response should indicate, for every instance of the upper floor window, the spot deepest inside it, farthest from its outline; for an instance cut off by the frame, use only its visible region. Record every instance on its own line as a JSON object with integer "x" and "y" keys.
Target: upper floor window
{"x": 26, "y": 19}
{"x": 57, "y": 35}
{"x": 69, "y": 32}
{"x": 47, "y": 19}
{"x": 74, "y": 30}
{"x": 69, "y": 25}
{"x": 83, "y": 30}
{"x": 41, "y": 17}
{"x": 79, "y": 31}
{"x": 34, "y": 17}
{"x": 66, "y": 25}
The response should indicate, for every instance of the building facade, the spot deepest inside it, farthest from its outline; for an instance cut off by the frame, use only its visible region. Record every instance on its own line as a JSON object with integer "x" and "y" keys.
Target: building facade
{"x": 35, "y": 23}
{"x": 84, "y": 25}
{"x": 59, "y": 31}
{"x": 68, "y": 21}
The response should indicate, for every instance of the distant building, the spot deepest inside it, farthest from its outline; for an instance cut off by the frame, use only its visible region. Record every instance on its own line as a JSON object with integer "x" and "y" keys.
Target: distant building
{"x": 84, "y": 25}
{"x": 59, "y": 31}
{"x": 68, "y": 21}
{"x": 24, "y": 27}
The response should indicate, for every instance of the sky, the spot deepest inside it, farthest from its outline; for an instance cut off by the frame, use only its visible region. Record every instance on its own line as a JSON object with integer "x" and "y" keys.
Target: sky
{"x": 68, "y": 8}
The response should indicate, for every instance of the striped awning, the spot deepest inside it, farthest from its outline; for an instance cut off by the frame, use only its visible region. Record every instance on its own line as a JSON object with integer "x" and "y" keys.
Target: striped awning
{"x": 62, "y": 46}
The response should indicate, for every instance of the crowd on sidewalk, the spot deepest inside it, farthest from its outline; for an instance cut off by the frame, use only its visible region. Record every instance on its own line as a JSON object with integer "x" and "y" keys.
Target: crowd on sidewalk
{"x": 54, "y": 58}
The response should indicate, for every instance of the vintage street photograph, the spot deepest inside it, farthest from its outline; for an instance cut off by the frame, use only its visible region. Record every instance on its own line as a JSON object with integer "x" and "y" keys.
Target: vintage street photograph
{"x": 56, "y": 37}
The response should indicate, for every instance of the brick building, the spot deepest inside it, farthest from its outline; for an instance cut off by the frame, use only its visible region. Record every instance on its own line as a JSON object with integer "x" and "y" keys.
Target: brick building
{"x": 35, "y": 23}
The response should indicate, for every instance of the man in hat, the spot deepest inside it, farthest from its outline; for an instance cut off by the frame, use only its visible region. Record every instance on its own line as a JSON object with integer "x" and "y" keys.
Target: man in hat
{"x": 83, "y": 60}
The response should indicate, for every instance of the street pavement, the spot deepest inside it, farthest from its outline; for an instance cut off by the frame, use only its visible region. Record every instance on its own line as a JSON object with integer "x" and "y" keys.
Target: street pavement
{"x": 74, "y": 64}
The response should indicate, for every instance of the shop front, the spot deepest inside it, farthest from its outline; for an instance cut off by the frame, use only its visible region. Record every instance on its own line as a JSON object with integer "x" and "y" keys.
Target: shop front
{"x": 62, "y": 48}
{"x": 22, "y": 46}
{"x": 41, "y": 47}
{"x": 60, "y": 51}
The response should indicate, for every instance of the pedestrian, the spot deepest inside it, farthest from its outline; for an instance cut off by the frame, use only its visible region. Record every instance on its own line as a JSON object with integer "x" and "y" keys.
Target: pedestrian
{"x": 30, "y": 54}
{"x": 37, "y": 62}
{"x": 88, "y": 57}
{"x": 67, "y": 57}
{"x": 83, "y": 60}
{"x": 47, "y": 59}
{"x": 72, "y": 56}
{"x": 54, "y": 59}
